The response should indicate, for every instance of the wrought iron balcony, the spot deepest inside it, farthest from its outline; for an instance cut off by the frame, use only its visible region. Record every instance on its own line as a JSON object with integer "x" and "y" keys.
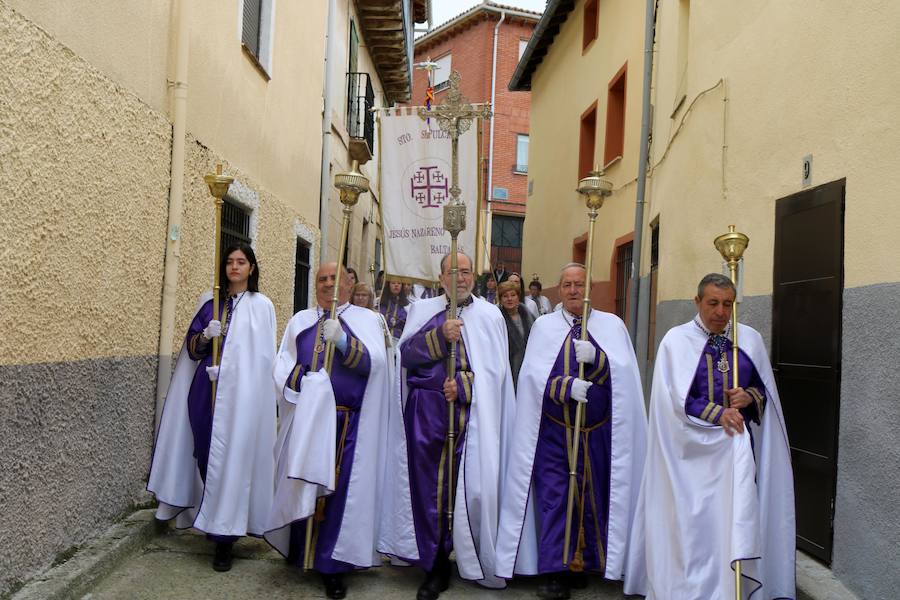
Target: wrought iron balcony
{"x": 360, "y": 118}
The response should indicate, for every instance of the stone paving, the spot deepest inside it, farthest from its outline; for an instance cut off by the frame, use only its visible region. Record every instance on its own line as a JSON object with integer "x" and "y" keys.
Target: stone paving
{"x": 179, "y": 565}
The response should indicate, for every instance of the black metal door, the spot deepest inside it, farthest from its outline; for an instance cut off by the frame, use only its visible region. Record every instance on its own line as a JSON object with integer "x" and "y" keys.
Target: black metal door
{"x": 806, "y": 350}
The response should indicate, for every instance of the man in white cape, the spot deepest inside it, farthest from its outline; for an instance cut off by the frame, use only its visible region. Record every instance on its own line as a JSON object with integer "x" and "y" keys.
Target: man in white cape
{"x": 332, "y": 436}
{"x": 717, "y": 485}
{"x": 212, "y": 466}
{"x": 610, "y": 456}
{"x": 416, "y": 522}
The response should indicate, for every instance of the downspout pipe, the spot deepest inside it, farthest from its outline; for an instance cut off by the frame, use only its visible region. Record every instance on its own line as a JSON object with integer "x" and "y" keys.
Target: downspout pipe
{"x": 634, "y": 285}
{"x": 325, "y": 172}
{"x": 488, "y": 229}
{"x": 176, "y": 202}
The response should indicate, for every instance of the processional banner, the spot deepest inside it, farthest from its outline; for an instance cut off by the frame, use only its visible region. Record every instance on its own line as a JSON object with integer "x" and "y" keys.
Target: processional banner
{"x": 415, "y": 185}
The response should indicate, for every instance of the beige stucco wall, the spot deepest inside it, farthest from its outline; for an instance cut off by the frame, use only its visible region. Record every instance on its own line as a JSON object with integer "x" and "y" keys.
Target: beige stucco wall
{"x": 84, "y": 168}
{"x": 85, "y": 155}
{"x": 128, "y": 40}
{"x": 565, "y": 84}
{"x": 270, "y": 130}
{"x": 789, "y": 94}
{"x": 84, "y": 178}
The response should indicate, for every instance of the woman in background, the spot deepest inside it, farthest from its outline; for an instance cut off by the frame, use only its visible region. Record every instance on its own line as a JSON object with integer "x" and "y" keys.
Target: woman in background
{"x": 518, "y": 324}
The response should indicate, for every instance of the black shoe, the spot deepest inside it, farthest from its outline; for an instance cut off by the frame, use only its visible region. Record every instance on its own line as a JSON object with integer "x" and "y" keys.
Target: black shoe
{"x": 554, "y": 588}
{"x": 334, "y": 586}
{"x": 222, "y": 559}
{"x": 577, "y": 580}
{"x": 436, "y": 581}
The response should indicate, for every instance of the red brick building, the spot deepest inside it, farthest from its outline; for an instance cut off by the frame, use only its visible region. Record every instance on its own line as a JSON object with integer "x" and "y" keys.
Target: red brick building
{"x": 466, "y": 44}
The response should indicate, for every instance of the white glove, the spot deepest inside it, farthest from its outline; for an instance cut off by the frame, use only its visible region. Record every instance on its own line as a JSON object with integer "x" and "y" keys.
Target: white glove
{"x": 213, "y": 372}
{"x": 214, "y": 329}
{"x": 332, "y": 331}
{"x": 580, "y": 390}
{"x": 585, "y": 351}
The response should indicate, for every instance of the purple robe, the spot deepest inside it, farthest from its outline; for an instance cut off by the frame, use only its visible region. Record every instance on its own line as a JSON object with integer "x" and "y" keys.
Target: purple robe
{"x": 394, "y": 315}
{"x": 706, "y": 397}
{"x": 424, "y": 355}
{"x": 551, "y": 463}
{"x": 349, "y": 376}
{"x": 200, "y": 408}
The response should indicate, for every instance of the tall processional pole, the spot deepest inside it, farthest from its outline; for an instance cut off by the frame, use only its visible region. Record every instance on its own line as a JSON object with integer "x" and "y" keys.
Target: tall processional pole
{"x": 731, "y": 246}
{"x": 218, "y": 188}
{"x": 454, "y": 116}
{"x": 350, "y": 185}
{"x": 594, "y": 189}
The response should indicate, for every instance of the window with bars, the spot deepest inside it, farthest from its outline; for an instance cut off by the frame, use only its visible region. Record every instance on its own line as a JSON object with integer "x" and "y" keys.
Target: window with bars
{"x": 235, "y": 224}
{"x": 623, "y": 277}
{"x": 301, "y": 276}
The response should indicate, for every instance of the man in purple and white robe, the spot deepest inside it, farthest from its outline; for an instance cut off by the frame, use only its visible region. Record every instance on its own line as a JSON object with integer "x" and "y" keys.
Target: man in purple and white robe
{"x": 610, "y": 454}
{"x": 416, "y": 525}
{"x": 331, "y": 440}
{"x": 717, "y": 485}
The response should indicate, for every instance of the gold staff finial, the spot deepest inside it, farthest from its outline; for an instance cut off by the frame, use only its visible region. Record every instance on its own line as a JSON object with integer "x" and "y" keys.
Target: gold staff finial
{"x": 731, "y": 245}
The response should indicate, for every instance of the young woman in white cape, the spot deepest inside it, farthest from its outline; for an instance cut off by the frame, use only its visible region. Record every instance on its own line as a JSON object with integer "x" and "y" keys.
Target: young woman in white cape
{"x": 213, "y": 466}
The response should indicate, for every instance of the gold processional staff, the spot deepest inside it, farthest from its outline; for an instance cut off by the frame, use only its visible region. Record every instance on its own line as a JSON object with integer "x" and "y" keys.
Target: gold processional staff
{"x": 350, "y": 185}
{"x": 218, "y": 187}
{"x": 731, "y": 246}
{"x": 594, "y": 189}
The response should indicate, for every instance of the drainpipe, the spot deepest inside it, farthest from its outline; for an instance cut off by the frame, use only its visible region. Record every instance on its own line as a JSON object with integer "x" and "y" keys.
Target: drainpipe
{"x": 325, "y": 173}
{"x": 490, "y": 191}
{"x": 176, "y": 198}
{"x": 634, "y": 285}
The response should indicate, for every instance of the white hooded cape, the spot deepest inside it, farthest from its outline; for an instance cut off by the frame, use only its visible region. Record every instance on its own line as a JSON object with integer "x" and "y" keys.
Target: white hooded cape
{"x": 240, "y": 472}
{"x": 306, "y": 451}
{"x": 478, "y": 485}
{"x": 704, "y": 495}
{"x": 517, "y": 547}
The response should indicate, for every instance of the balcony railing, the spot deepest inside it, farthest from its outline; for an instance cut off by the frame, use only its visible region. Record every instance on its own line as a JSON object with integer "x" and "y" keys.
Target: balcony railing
{"x": 360, "y": 101}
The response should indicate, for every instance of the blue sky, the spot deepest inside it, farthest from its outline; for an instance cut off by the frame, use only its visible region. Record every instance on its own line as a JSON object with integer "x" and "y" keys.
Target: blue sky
{"x": 444, "y": 10}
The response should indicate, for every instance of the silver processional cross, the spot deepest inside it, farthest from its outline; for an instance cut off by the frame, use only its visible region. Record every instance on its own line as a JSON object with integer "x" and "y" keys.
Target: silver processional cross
{"x": 454, "y": 116}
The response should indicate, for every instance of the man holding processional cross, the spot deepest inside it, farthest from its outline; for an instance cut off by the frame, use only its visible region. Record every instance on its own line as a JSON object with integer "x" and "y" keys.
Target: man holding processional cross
{"x": 457, "y": 402}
